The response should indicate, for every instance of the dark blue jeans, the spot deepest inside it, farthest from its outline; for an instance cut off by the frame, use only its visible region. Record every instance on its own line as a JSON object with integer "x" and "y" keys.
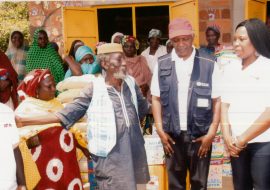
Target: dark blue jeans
{"x": 252, "y": 168}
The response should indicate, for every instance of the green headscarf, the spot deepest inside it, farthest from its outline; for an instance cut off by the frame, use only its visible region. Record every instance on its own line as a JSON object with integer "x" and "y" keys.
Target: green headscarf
{"x": 47, "y": 58}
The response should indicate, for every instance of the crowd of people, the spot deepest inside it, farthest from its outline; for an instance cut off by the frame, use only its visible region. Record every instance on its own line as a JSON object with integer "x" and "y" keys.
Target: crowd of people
{"x": 176, "y": 86}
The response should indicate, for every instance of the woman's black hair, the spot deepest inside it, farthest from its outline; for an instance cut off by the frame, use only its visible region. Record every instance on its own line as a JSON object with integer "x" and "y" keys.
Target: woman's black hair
{"x": 258, "y": 34}
{"x": 71, "y": 51}
{"x": 16, "y": 32}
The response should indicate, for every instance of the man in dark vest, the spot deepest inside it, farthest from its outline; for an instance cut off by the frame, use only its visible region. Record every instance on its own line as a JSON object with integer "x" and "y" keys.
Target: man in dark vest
{"x": 186, "y": 106}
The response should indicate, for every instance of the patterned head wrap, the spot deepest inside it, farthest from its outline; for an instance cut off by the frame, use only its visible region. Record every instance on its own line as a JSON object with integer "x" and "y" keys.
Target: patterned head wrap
{"x": 81, "y": 52}
{"x": 47, "y": 58}
{"x": 29, "y": 84}
{"x": 214, "y": 27}
{"x": 132, "y": 39}
{"x": 154, "y": 33}
{"x": 99, "y": 44}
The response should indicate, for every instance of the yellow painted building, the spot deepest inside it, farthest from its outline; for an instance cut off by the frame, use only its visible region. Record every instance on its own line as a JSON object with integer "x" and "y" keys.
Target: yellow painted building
{"x": 97, "y": 20}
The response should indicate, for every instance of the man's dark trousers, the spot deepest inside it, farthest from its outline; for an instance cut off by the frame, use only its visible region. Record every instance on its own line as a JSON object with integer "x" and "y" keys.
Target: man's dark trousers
{"x": 185, "y": 157}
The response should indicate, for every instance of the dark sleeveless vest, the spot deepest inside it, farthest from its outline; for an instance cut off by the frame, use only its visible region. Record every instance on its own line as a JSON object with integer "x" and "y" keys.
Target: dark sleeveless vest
{"x": 199, "y": 106}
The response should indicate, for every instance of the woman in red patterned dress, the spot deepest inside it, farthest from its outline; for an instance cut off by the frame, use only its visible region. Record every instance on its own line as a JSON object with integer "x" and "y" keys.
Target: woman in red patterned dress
{"x": 55, "y": 157}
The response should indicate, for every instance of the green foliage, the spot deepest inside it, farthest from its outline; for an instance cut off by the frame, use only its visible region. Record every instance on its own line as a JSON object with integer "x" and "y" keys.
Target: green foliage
{"x": 13, "y": 16}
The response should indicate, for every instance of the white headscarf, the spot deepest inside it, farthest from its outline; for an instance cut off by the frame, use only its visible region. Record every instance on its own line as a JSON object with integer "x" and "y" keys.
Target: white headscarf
{"x": 117, "y": 34}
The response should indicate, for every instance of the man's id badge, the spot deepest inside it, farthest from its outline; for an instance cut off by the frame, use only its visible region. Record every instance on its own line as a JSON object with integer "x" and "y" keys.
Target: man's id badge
{"x": 202, "y": 103}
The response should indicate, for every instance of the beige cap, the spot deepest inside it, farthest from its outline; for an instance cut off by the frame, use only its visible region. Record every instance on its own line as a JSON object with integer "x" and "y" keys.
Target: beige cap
{"x": 109, "y": 48}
